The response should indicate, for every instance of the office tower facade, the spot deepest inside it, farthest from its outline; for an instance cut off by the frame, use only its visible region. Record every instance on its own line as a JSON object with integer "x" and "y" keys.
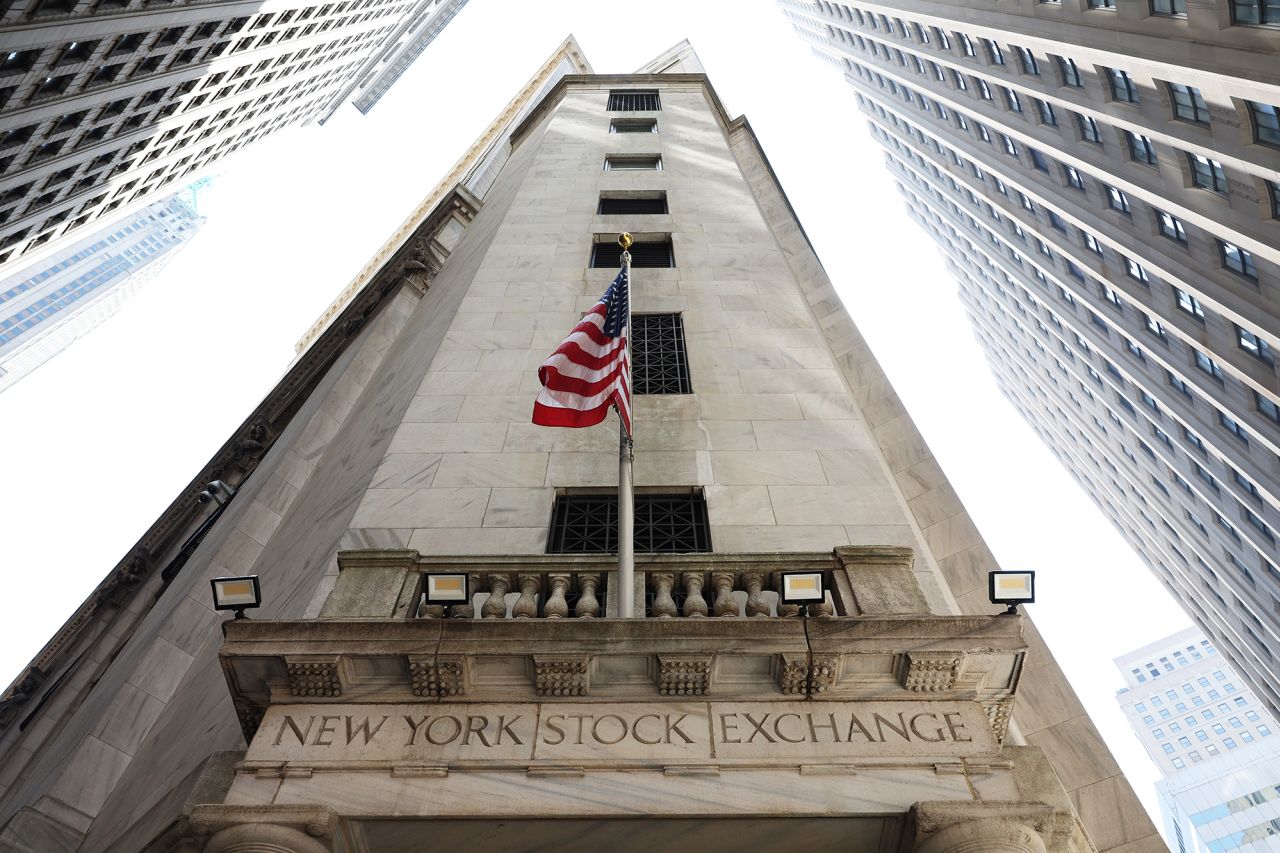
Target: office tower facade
{"x": 903, "y": 711}
{"x": 106, "y": 105}
{"x": 45, "y": 307}
{"x": 380, "y": 71}
{"x": 1214, "y": 742}
{"x": 1103, "y": 179}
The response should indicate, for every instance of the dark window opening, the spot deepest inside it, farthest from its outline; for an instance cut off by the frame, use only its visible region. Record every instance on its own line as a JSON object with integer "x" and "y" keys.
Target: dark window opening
{"x": 644, "y": 253}
{"x": 649, "y": 204}
{"x": 634, "y": 100}
{"x": 633, "y": 125}
{"x": 670, "y": 524}
{"x": 660, "y": 364}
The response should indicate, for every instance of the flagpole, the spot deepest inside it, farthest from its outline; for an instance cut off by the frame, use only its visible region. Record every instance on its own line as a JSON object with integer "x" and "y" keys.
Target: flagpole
{"x": 626, "y": 498}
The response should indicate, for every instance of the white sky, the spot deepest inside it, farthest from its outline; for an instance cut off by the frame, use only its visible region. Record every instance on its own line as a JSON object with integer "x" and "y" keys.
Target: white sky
{"x": 104, "y": 436}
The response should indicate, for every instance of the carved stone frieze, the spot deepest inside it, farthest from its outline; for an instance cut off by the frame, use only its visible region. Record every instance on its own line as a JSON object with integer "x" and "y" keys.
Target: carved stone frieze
{"x": 684, "y": 675}
{"x": 932, "y": 672}
{"x": 313, "y": 676}
{"x": 561, "y": 675}
{"x": 437, "y": 677}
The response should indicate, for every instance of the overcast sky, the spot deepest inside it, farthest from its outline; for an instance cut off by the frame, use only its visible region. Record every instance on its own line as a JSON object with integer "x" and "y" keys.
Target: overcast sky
{"x": 102, "y": 438}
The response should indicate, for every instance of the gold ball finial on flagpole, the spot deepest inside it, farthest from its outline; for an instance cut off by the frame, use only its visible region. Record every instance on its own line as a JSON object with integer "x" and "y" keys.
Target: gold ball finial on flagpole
{"x": 625, "y": 240}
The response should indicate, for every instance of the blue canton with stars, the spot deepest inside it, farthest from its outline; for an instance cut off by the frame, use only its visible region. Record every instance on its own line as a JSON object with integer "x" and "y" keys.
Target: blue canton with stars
{"x": 615, "y": 306}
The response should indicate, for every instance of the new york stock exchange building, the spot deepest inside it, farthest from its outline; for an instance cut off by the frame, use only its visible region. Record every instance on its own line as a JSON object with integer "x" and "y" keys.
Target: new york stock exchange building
{"x": 396, "y": 462}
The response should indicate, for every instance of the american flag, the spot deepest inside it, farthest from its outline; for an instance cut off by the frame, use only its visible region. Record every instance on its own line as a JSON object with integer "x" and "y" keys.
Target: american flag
{"x": 590, "y": 371}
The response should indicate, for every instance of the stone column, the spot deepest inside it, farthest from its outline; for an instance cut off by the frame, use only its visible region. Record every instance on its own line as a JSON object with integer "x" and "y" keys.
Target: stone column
{"x": 982, "y": 836}
{"x": 263, "y": 829}
{"x": 993, "y": 826}
{"x": 263, "y": 838}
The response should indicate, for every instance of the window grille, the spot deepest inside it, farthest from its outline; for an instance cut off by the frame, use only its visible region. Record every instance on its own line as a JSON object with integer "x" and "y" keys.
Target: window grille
{"x": 651, "y": 204}
{"x": 588, "y": 524}
{"x": 645, "y": 253}
{"x": 634, "y": 100}
{"x": 660, "y": 364}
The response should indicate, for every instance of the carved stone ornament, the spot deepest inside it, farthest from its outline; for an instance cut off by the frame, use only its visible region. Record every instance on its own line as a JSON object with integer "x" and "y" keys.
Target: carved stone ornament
{"x": 797, "y": 674}
{"x": 561, "y": 675}
{"x": 684, "y": 675}
{"x": 250, "y": 717}
{"x": 437, "y": 678}
{"x": 313, "y": 677}
{"x": 932, "y": 672}
{"x": 998, "y": 714}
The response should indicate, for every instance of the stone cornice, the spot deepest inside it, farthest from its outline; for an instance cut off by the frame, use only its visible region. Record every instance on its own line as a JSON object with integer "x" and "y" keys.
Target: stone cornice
{"x": 863, "y": 658}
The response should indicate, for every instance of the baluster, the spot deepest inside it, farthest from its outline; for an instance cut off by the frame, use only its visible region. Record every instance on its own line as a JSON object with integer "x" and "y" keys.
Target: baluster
{"x": 588, "y": 605}
{"x": 495, "y": 606}
{"x": 556, "y": 607}
{"x": 664, "y": 606}
{"x": 756, "y": 605}
{"x": 723, "y": 584}
{"x": 822, "y": 608}
{"x": 784, "y": 610}
{"x": 430, "y": 611}
{"x": 526, "y": 606}
{"x": 695, "y": 606}
{"x": 468, "y": 610}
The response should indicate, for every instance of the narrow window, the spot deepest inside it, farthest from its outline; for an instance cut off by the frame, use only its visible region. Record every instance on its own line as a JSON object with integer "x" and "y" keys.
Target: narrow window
{"x": 1207, "y": 174}
{"x": 1266, "y": 123}
{"x": 632, "y": 162}
{"x": 644, "y": 253}
{"x": 1238, "y": 260}
{"x": 1255, "y": 12}
{"x": 1122, "y": 88}
{"x": 1188, "y": 103}
{"x": 1176, "y": 8}
{"x": 1070, "y": 72}
{"x": 634, "y": 100}
{"x": 1089, "y": 129}
{"x": 1047, "y": 115}
{"x": 633, "y": 125}
{"x": 1171, "y": 227}
{"x": 612, "y": 205}
{"x": 1142, "y": 149}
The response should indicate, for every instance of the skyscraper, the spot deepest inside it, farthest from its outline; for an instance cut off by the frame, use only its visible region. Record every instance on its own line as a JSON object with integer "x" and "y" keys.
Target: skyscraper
{"x": 1104, "y": 181}
{"x": 380, "y": 71}
{"x": 46, "y": 306}
{"x": 107, "y": 105}
{"x": 902, "y": 711}
{"x": 1214, "y": 743}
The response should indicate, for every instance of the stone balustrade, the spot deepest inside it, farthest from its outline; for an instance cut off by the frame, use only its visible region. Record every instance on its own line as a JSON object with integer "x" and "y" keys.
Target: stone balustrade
{"x": 679, "y": 593}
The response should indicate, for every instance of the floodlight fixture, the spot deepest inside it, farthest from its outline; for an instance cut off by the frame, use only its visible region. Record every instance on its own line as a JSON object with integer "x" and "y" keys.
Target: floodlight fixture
{"x": 803, "y": 588}
{"x": 1012, "y": 589}
{"x": 238, "y": 594}
{"x": 447, "y": 588}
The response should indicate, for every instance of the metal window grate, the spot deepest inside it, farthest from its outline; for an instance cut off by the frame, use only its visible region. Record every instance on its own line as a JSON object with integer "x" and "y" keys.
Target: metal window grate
{"x": 655, "y": 204}
{"x": 659, "y": 362}
{"x": 634, "y": 100}
{"x": 643, "y": 254}
{"x": 671, "y": 524}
